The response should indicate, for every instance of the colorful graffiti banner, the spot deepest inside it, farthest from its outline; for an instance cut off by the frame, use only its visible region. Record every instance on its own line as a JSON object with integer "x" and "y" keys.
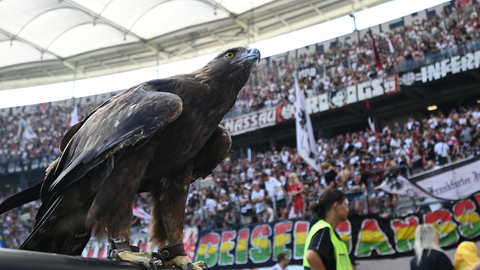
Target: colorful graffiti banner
{"x": 366, "y": 236}
{"x": 99, "y": 249}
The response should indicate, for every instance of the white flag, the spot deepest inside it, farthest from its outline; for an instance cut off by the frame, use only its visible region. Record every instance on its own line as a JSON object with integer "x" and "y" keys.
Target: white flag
{"x": 28, "y": 132}
{"x": 306, "y": 145}
{"x": 390, "y": 46}
{"x": 27, "y": 135}
{"x": 73, "y": 117}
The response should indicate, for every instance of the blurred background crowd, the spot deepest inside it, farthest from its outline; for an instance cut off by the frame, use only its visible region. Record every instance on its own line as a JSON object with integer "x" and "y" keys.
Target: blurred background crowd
{"x": 348, "y": 63}
{"x": 275, "y": 183}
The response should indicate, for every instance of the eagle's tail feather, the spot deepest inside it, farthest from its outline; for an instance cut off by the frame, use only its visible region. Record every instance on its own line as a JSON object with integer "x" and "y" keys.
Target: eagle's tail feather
{"x": 30, "y": 194}
{"x": 47, "y": 236}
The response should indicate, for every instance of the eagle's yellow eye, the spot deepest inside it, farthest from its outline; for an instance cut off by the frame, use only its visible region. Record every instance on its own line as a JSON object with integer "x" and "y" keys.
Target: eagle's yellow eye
{"x": 229, "y": 54}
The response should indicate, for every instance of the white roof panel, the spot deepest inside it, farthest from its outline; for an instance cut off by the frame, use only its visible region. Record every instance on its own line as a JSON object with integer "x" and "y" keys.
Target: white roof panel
{"x": 174, "y": 15}
{"x": 98, "y": 37}
{"x": 87, "y": 37}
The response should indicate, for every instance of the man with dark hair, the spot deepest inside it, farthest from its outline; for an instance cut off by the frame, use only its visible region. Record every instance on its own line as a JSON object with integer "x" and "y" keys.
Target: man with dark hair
{"x": 282, "y": 262}
{"x": 330, "y": 174}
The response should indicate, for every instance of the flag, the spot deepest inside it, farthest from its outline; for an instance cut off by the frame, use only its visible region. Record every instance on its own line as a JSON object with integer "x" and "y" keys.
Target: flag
{"x": 376, "y": 55}
{"x": 390, "y": 46}
{"x": 306, "y": 145}
{"x": 73, "y": 117}
{"x": 139, "y": 212}
{"x": 28, "y": 132}
{"x": 369, "y": 117}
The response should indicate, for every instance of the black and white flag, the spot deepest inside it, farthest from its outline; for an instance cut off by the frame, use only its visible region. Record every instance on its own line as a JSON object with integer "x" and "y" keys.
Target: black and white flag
{"x": 306, "y": 145}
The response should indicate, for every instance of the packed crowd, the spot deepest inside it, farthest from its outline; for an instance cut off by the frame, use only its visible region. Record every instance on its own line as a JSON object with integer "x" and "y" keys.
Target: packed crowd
{"x": 279, "y": 184}
{"x": 276, "y": 185}
{"x": 36, "y": 134}
{"x": 351, "y": 62}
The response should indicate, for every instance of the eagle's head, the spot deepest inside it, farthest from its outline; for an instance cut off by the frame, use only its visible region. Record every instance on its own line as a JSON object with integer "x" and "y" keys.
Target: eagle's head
{"x": 231, "y": 66}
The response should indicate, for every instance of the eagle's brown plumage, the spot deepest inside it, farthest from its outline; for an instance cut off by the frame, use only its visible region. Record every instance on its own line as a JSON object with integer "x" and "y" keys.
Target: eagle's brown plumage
{"x": 157, "y": 136}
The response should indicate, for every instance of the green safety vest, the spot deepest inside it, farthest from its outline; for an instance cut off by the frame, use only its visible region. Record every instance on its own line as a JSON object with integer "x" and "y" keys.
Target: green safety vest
{"x": 341, "y": 252}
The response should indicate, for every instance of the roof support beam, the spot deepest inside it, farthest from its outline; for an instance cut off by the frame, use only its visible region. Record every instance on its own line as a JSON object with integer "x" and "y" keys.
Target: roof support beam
{"x": 125, "y": 31}
{"x": 215, "y": 36}
{"x": 317, "y": 10}
{"x": 283, "y": 21}
{"x": 42, "y": 50}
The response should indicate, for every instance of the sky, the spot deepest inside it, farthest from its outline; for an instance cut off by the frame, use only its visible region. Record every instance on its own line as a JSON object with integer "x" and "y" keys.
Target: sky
{"x": 293, "y": 40}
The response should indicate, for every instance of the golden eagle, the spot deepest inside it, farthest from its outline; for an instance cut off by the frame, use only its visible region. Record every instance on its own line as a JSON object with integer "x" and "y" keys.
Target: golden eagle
{"x": 157, "y": 136}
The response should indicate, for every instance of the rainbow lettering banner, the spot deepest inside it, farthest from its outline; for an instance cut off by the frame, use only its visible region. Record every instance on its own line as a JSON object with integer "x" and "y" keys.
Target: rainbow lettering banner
{"x": 366, "y": 237}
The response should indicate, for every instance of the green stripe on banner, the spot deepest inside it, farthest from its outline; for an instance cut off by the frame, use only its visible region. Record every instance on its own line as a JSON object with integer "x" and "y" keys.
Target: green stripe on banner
{"x": 450, "y": 238}
{"x": 225, "y": 258}
{"x": 403, "y": 244}
{"x": 365, "y": 247}
{"x": 300, "y": 250}
{"x": 210, "y": 261}
{"x": 241, "y": 257}
{"x": 467, "y": 230}
{"x": 263, "y": 255}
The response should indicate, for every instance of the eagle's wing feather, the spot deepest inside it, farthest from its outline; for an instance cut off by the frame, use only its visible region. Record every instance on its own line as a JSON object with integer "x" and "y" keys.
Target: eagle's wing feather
{"x": 126, "y": 120}
{"x": 212, "y": 153}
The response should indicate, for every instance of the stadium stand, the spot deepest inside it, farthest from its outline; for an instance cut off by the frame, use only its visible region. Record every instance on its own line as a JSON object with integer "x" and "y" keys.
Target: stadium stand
{"x": 354, "y": 162}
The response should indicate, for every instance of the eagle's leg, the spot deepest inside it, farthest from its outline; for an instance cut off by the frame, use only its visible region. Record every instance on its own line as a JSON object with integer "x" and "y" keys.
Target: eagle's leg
{"x": 111, "y": 211}
{"x": 168, "y": 213}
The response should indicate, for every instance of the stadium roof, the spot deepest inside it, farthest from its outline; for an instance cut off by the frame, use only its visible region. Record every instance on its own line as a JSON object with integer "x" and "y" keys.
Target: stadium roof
{"x": 49, "y": 41}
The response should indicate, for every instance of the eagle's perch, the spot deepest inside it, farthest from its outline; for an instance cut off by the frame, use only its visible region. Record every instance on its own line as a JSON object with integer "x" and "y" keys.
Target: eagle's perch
{"x": 157, "y": 136}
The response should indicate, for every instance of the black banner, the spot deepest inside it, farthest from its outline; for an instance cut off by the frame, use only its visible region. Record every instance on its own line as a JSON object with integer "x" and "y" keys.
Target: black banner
{"x": 28, "y": 164}
{"x": 366, "y": 237}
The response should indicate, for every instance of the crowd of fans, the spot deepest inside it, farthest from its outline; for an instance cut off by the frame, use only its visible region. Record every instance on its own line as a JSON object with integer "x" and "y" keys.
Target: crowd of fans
{"x": 349, "y": 63}
{"x": 356, "y": 162}
{"x": 277, "y": 184}
{"x": 36, "y": 134}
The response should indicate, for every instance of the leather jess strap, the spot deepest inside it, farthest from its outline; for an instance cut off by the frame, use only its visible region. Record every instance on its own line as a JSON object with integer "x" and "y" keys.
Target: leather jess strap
{"x": 169, "y": 252}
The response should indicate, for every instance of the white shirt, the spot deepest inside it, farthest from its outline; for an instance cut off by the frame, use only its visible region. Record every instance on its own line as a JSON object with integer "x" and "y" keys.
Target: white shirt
{"x": 259, "y": 206}
{"x": 274, "y": 188}
{"x": 277, "y": 267}
{"x": 211, "y": 205}
{"x": 441, "y": 149}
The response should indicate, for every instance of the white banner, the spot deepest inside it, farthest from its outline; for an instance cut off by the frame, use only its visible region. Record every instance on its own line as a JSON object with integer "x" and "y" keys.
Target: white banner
{"x": 453, "y": 182}
{"x": 306, "y": 144}
{"x": 251, "y": 122}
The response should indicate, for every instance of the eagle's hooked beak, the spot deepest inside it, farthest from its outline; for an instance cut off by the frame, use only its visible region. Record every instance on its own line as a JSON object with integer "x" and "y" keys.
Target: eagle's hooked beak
{"x": 254, "y": 53}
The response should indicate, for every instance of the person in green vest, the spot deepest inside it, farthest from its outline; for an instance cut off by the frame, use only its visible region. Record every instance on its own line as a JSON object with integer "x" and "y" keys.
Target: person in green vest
{"x": 323, "y": 249}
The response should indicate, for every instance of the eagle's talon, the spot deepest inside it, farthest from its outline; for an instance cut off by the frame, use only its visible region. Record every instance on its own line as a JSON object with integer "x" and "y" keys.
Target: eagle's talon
{"x": 144, "y": 258}
{"x": 185, "y": 264}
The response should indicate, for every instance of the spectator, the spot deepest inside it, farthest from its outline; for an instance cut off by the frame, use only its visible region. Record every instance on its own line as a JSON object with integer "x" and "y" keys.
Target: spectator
{"x": 246, "y": 206}
{"x": 258, "y": 199}
{"x": 428, "y": 254}
{"x": 466, "y": 256}
{"x": 441, "y": 152}
{"x": 295, "y": 190}
{"x": 282, "y": 262}
{"x": 330, "y": 174}
{"x": 276, "y": 192}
